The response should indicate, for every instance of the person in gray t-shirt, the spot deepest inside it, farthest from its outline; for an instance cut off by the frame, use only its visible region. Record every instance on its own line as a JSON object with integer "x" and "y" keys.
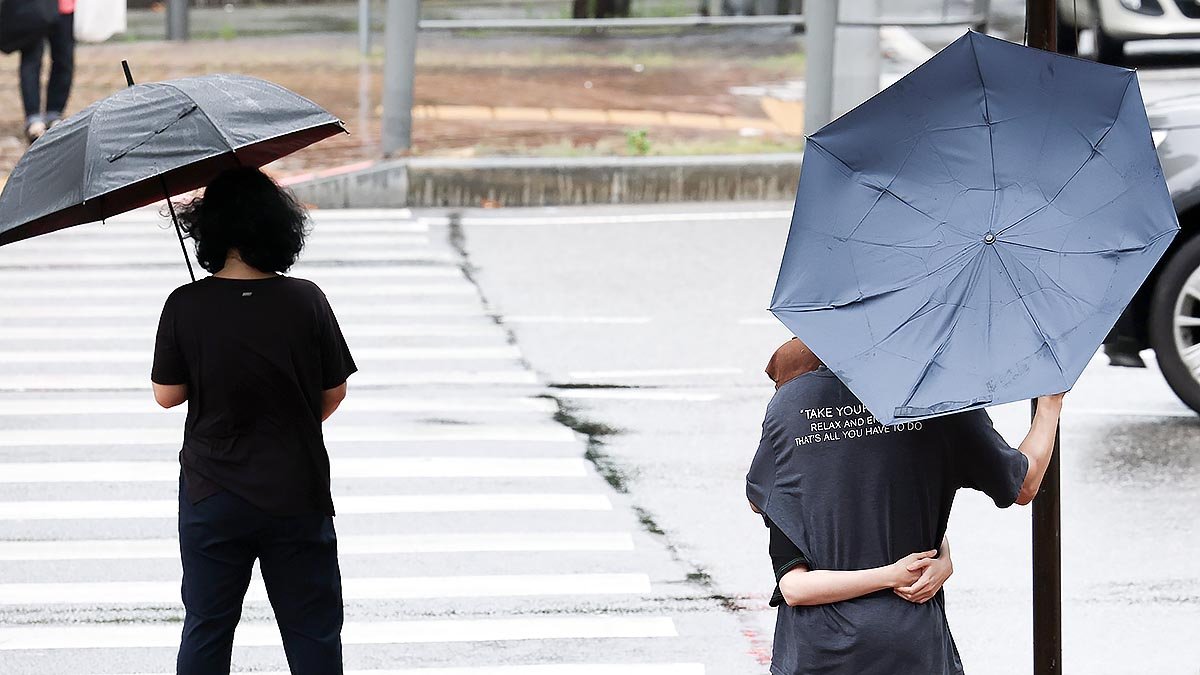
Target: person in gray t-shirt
{"x": 863, "y": 505}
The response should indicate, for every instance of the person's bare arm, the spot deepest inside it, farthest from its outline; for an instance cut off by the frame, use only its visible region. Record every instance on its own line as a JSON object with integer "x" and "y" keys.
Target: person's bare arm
{"x": 802, "y": 586}
{"x": 331, "y": 399}
{"x": 1039, "y": 445}
{"x": 170, "y": 395}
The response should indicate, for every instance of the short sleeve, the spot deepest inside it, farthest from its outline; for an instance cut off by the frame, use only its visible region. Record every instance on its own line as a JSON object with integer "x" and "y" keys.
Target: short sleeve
{"x": 982, "y": 459}
{"x": 785, "y": 557}
{"x": 169, "y": 366}
{"x": 336, "y": 362}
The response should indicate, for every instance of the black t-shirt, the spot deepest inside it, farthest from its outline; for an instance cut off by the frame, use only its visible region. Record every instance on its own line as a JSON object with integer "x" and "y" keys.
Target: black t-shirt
{"x": 256, "y": 356}
{"x": 852, "y": 494}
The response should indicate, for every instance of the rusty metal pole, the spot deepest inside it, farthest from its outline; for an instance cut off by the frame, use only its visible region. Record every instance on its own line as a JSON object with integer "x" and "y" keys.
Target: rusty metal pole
{"x": 1042, "y": 22}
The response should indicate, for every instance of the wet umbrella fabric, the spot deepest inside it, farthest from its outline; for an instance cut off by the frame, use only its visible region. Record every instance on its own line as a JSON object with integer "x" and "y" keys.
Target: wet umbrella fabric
{"x": 968, "y": 236}
{"x": 125, "y": 151}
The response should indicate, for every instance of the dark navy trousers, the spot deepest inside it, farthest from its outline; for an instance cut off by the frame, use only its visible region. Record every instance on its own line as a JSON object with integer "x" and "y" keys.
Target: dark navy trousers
{"x": 219, "y": 539}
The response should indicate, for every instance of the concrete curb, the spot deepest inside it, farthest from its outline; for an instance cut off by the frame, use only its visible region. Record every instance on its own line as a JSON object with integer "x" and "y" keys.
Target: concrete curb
{"x": 535, "y": 181}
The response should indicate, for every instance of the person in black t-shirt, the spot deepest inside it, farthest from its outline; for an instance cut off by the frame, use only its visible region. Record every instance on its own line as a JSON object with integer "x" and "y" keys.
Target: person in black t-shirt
{"x": 261, "y": 362}
{"x": 856, "y": 509}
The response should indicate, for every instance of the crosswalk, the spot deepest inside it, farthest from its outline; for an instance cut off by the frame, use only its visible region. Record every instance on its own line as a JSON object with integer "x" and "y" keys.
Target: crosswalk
{"x": 474, "y": 538}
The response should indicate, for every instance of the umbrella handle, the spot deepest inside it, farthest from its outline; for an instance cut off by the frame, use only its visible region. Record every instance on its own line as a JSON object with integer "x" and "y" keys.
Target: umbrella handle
{"x": 178, "y": 229}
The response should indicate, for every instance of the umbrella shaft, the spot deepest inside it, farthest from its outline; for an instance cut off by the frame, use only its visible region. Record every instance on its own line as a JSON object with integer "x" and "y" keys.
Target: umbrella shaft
{"x": 178, "y": 229}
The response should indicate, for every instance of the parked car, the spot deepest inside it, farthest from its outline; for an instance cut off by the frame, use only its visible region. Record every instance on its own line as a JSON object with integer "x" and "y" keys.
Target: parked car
{"x": 1165, "y": 313}
{"x": 1115, "y": 22}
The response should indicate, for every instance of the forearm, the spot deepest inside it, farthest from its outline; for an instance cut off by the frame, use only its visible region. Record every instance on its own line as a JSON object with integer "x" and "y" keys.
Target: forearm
{"x": 1038, "y": 447}
{"x": 331, "y": 399}
{"x": 801, "y": 587}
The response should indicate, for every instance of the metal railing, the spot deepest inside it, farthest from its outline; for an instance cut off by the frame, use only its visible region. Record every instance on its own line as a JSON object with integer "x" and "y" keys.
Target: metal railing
{"x": 974, "y": 18}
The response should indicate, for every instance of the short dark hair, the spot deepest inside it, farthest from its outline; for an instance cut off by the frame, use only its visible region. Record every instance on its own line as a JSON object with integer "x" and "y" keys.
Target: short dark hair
{"x": 244, "y": 209}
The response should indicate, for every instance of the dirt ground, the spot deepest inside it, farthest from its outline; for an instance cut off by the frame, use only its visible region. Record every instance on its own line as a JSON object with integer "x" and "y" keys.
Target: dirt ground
{"x": 680, "y": 72}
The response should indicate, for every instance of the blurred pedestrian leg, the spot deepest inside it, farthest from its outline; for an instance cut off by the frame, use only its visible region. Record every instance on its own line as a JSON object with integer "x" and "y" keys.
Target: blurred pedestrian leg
{"x": 61, "y": 36}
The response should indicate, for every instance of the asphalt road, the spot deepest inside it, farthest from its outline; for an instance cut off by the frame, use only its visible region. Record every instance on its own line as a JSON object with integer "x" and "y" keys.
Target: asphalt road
{"x": 650, "y": 323}
{"x": 474, "y": 537}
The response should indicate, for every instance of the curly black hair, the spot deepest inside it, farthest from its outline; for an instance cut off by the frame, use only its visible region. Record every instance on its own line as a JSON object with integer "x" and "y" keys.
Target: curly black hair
{"x": 244, "y": 209}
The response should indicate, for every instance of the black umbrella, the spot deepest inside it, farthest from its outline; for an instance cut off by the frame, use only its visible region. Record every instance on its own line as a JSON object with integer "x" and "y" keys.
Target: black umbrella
{"x": 151, "y": 141}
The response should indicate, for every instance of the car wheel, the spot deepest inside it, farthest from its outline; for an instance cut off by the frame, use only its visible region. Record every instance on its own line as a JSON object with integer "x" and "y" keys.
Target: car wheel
{"x": 1175, "y": 323}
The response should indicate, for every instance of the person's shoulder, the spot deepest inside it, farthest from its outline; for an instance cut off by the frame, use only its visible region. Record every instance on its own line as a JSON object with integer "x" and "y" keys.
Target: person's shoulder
{"x": 188, "y": 290}
{"x": 302, "y": 287}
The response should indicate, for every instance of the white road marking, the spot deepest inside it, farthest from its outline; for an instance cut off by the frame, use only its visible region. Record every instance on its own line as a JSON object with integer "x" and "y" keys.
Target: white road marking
{"x": 64, "y": 294}
{"x": 538, "y": 669}
{"x": 336, "y": 434}
{"x": 178, "y": 274}
{"x": 146, "y": 248}
{"x": 13, "y": 258}
{"x": 154, "y": 213}
{"x": 342, "y": 468}
{"x": 636, "y": 395}
{"x": 631, "y": 320}
{"x": 478, "y": 542}
{"x": 370, "y": 588}
{"x": 145, "y": 332}
{"x": 148, "y": 312}
{"x": 135, "y": 244}
{"x": 782, "y": 215}
{"x": 354, "y": 633}
{"x": 32, "y": 407}
{"x": 653, "y": 373}
{"x": 364, "y": 378}
{"x": 361, "y": 354}
{"x": 351, "y": 505}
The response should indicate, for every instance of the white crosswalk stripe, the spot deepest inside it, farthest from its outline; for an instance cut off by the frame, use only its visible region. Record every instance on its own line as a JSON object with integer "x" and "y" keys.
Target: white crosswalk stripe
{"x": 354, "y": 633}
{"x": 455, "y": 488}
{"x": 468, "y": 542}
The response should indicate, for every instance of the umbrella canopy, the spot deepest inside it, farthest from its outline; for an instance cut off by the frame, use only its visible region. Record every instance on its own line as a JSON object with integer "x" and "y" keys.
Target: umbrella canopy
{"x": 969, "y": 235}
{"x": 129, "y": 149}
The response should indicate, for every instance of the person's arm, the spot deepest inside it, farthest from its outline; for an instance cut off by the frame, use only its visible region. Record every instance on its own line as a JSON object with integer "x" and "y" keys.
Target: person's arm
{"x": 934, "y": 573}
{"x": 804, "y": 587}
{"x": 170, "y": 395}
{"x": 331, "y": 399}
{"x": 1039, "y": 445}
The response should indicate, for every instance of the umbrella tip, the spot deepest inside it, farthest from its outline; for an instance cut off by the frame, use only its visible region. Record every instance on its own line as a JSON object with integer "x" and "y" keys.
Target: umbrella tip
{"x": 128, "y": 75}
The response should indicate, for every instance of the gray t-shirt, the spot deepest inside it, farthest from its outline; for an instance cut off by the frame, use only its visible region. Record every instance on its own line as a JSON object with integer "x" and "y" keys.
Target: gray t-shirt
{"x": 853, "y": 494}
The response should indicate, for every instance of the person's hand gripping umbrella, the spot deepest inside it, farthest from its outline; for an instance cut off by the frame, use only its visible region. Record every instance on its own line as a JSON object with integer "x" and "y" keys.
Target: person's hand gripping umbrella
{"x": 154, "y": 141}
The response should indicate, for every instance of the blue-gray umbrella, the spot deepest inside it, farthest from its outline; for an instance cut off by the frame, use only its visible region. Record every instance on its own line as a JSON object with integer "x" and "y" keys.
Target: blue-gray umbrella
{"x": 151, "y": 141}
{"x": 968, "y": 236}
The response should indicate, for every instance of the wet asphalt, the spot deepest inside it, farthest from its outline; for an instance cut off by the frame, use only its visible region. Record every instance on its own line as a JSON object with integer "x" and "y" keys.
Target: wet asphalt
{"x": 650, "y": 326}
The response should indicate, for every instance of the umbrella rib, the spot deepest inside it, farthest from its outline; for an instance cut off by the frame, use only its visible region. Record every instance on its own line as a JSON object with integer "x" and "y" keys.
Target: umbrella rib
{"x": 219, "y": 130}
{"x": 1045, "y": 340}
{"x": 921, "y": 311}
{"x": 987, "y": 118}
{"x": 1057, "y": 285}
{"x": 1095, "y": 151}
{"x": 949, "y": 334}
{"x": 1123, "y": 249}
{"x": 906, "y": 283}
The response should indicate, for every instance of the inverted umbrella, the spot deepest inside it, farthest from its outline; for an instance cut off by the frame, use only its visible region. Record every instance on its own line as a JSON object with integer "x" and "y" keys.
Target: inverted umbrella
{"x": 968, "y": 236}
{"x": 151, "y": 141}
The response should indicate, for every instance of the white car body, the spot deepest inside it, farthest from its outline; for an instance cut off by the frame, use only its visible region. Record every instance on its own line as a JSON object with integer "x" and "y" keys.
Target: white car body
{"x": 1179, "y": 18}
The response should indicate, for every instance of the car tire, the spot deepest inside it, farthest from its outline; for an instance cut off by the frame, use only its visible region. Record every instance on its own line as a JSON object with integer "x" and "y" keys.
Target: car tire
{"x": 1168, "y": 301}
